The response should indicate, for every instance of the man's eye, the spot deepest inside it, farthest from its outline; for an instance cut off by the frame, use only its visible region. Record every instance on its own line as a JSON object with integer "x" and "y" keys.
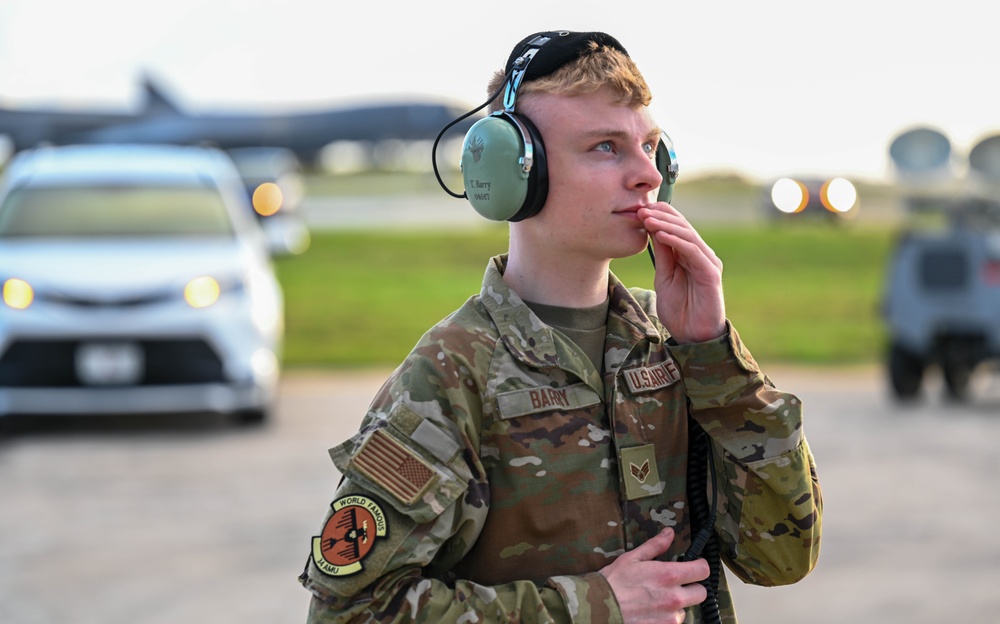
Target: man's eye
{"x": 649, "y": 148}
{"x": 604, "y": 146}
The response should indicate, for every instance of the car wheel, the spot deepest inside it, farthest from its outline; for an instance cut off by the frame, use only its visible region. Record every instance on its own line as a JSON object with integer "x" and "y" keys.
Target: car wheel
{"x": 906, "y": 372}
{"x": 956, "y": 381}
{"x": 251, "y": 417}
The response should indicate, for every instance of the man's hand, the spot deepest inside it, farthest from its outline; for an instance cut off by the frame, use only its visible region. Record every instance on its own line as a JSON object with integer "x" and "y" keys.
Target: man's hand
{"x": 688, "y": 280}
{"x": 655, "y": 591}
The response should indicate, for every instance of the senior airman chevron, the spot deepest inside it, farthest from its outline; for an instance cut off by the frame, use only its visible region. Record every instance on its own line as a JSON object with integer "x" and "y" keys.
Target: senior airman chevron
{"x": 639, "y": 472}
{"x": 393, "y": 466}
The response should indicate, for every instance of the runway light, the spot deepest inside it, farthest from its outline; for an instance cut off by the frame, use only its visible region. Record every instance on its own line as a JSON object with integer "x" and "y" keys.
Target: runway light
{"x": 267, "y": 199}
{"x": 838, "y": 195}
{"x": 201, "y": 292}
{"x": 18, "y": 294}
{"x": 789, "y": 196}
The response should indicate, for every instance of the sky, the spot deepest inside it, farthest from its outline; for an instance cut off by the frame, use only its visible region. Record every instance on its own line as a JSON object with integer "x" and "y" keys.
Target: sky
{"x": 765, "y": 89}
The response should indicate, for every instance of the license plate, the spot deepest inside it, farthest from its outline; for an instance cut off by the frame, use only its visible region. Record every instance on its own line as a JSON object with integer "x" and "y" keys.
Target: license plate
{"x": 109, "y": 363}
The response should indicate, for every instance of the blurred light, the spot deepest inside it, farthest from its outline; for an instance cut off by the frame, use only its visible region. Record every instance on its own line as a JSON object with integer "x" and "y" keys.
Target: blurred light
{"x": 201, "y": 292}
{"x": 789, "y": 196}
{"x": 265, "y": 310}
{"x": 264, "y": 363}
{"x": 838, "y": 195}
{"x": 18, "y": 294}
{"x": 267, "y": 199}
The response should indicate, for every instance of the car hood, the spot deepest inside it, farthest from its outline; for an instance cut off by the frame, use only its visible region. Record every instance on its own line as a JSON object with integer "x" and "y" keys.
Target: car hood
{"x": 113, "y": 268}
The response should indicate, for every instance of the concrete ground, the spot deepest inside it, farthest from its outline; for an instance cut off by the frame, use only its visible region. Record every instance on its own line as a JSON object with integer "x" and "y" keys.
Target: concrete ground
{"x": 166, "y": 520}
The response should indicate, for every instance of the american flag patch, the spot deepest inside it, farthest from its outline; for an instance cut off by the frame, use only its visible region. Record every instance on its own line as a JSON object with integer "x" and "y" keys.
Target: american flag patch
{"x": 393, "y": 466}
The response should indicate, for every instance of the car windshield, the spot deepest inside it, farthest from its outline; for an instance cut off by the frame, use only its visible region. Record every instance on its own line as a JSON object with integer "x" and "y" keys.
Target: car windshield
{"x": 114, "y": 211}
{"x": 263, "y": 165}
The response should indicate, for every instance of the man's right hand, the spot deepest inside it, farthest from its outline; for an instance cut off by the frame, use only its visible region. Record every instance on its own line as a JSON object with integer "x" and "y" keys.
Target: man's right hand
{"x": 655, "y": 591}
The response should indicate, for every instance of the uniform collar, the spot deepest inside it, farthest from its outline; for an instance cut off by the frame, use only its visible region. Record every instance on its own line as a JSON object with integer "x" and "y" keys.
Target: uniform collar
{"x": 532, "y": 341}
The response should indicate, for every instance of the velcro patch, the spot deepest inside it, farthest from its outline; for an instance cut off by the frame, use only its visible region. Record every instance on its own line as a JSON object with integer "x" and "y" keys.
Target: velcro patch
{"x": 402, "y": 472}
{"x": 649, "y": 378}
{"x": 545, "y": 399}
{"x": 348, "y": 536}
{"x": 639, "y": 472}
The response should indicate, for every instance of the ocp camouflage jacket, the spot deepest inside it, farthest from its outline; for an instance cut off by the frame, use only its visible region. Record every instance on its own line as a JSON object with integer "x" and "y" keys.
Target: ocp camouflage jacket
{"x": 497, "y": 472}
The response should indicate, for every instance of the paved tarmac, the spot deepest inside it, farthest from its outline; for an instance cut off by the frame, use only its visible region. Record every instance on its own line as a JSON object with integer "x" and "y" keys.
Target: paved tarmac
{"x": 188, "y": 520}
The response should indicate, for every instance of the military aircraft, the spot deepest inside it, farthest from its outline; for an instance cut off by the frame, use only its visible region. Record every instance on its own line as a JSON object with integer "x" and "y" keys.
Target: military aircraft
{"x": 159, "y": 120}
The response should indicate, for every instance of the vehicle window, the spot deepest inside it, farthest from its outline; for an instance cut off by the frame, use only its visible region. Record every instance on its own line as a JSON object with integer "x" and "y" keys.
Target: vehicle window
{"x": 102, "y": 211}
{"x": 264, "y": 166}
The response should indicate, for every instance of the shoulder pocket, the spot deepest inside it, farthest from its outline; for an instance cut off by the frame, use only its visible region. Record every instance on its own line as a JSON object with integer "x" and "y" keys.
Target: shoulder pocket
{"x": 420, "y": 472}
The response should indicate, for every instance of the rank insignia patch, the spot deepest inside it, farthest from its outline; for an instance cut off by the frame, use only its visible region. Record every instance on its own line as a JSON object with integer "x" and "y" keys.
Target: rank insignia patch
{"x": 639, "y": 472}
{"x": 349, "y": 535}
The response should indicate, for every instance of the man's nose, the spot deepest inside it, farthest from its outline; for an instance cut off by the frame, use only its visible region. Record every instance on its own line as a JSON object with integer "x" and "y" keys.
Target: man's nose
{"x": 645, "y": 172}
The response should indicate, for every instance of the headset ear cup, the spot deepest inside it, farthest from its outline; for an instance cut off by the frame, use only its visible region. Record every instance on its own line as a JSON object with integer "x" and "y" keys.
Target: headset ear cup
{"x": 666, "y": 163}
{"x": 538, "y": 178}
{"x": 496, "y": 183}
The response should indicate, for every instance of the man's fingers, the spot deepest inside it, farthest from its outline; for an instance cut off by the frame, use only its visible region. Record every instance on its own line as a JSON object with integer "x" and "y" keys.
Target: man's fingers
{"x": 691, "y": 573}
{"x": 653, "y": 548}
{"x": 673, "y": 231}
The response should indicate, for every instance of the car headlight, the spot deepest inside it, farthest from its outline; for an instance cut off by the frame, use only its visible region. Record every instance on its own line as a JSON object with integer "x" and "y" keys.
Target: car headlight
{"x": 838, "y": 195}
{"x": 201, "y": 292}
{"x": 18, "y": 293}
{"x": 266, "y": 308}
{"x": 789, "y": 196}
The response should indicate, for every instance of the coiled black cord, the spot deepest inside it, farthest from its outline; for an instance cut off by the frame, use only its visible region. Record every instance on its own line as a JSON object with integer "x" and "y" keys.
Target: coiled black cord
{"x": 704, "y": 542}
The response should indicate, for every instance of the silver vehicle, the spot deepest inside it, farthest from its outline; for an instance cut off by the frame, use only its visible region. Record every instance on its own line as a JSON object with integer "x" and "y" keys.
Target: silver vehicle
{"x": 135, "y": 280}
{"x": 942, "y": 300}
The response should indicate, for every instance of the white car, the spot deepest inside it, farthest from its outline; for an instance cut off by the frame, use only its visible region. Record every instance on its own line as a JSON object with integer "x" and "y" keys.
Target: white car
{"x": 135, "y": 280}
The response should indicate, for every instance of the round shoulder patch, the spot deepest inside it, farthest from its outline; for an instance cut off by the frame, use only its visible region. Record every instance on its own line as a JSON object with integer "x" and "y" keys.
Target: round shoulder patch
{"x": 349, "y": 535}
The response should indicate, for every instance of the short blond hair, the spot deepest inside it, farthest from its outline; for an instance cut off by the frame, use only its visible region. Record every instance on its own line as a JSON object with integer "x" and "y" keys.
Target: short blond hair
{"x": 600, "y": 67}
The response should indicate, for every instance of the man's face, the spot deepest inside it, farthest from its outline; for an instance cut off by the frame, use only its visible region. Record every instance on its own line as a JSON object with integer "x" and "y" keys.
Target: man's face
{"x": 602, "y": 168}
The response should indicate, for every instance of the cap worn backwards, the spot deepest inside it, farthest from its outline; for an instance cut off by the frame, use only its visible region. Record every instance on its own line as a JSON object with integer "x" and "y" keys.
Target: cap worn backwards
{"x": 565, "y": 46}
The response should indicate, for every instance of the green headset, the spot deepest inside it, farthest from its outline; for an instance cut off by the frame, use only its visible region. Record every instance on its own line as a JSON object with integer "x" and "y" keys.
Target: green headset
{"x": 503, "y": 155}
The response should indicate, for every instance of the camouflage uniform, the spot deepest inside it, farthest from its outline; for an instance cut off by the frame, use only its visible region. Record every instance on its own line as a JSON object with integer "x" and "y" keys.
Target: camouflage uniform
{"x": 497, "y": 471}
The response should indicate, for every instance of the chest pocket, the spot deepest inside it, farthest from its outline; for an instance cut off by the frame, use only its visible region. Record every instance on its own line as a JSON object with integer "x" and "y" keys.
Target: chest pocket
{"x": 541, "y": 399}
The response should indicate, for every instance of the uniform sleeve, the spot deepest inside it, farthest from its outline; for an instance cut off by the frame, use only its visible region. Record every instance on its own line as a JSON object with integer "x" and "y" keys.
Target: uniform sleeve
{"x": 770, "y": 502}
{"x": 413, "y": 474}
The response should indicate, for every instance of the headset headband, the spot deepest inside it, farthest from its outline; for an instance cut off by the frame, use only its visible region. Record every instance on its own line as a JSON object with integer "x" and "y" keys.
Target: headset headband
{"x": 518, "y": 71}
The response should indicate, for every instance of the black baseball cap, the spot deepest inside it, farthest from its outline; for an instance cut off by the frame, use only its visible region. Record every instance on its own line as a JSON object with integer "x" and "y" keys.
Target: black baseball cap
{"x": 564, "y": 47}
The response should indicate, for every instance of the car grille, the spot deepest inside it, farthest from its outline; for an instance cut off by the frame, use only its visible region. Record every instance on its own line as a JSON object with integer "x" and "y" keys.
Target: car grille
{"x": 51, "y": 363}
{"x": 944, "y": 269}
{"x": 78, "y": 301}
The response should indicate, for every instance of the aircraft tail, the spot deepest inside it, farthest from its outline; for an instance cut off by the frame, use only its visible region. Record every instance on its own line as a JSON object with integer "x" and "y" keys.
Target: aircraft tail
{"x": 156, "y": 100}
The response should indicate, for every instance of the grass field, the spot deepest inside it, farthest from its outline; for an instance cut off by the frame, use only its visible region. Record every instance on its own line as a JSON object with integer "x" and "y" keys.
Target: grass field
{"x": 797, "y": 294}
